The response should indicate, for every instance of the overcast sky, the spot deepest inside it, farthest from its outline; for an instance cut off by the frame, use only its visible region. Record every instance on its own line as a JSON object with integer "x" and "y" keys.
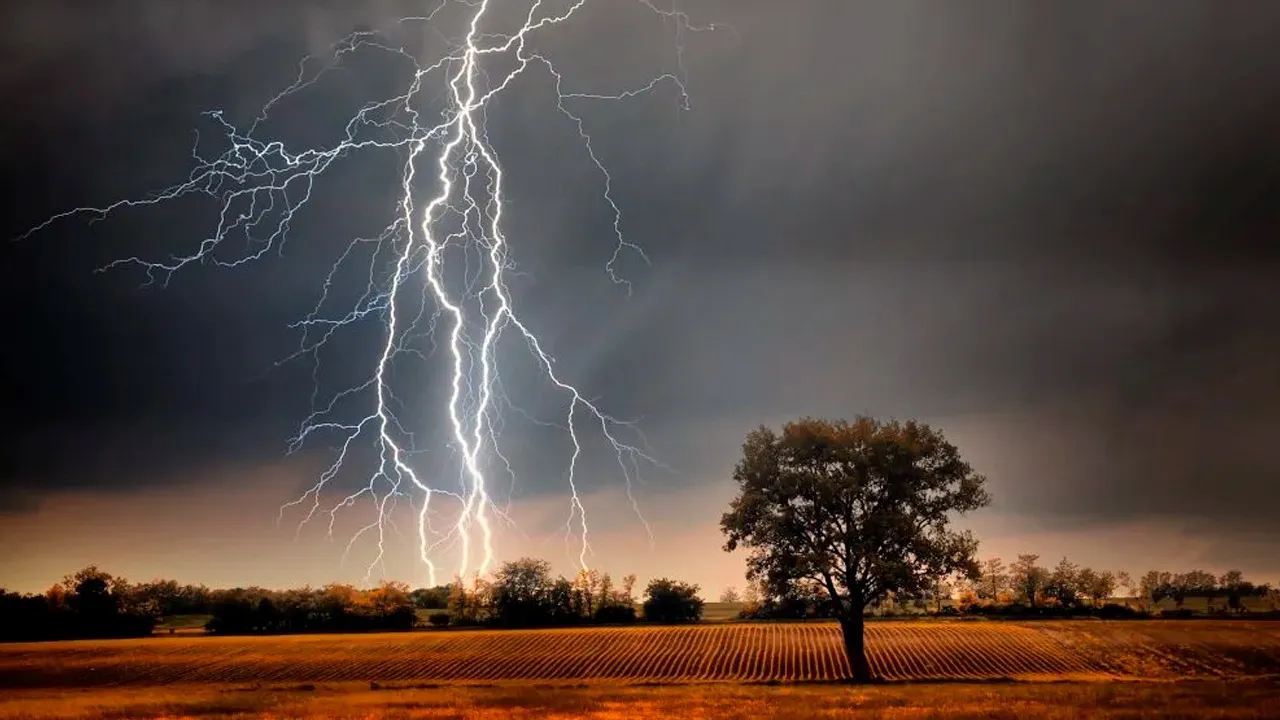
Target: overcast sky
{"x": 1047, "y": 228}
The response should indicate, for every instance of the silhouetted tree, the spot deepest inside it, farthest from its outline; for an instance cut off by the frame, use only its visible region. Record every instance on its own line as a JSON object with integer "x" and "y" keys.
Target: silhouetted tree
{"x": 470, "y": 605}
{"x": 171, "y": 598}
{"x": 940, "y": 590}
{"x": 91, "y": 592}
{"x": 1096, "y": 586}
{"x": 1125, "y": 580}
{"x": 333, "y": 608}
{"x": 1063, "y": 584}
{"x": 1028, "y": 579}
{"x": 615, "y": 606}
{"x": 992, "y": 580}
{"x": 1155, "y": 586}
{"x": 1235, "y": 588}
{"x": 523, "y": 594}
{"x": 616, "y": 614}
{"x": 90, "y": 603}
{"x": 586, "y": 592}
{"x": 34, "y": 617}
{"x": 729, "y": 595}
{"x": 434, "y": 598}
{"x": 862, "y": 508}
{"x": 392, "y": 606}
{"x": 1196, "y": 583}
{"x": 671, "y": 601}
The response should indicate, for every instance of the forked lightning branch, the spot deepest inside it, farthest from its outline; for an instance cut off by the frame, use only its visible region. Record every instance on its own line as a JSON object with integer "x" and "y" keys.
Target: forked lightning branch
{"x": 451, "y": 206}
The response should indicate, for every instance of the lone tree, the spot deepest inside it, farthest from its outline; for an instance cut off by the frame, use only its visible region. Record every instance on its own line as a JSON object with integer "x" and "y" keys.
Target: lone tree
{"x": 861, "y": 508}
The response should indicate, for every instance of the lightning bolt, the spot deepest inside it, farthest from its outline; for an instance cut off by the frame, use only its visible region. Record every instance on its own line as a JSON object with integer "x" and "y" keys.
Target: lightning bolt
{"x": 427, "y": 296}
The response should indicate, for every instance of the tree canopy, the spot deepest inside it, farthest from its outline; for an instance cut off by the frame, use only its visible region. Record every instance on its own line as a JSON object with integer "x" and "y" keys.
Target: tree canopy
{"x": 862, "y": 508}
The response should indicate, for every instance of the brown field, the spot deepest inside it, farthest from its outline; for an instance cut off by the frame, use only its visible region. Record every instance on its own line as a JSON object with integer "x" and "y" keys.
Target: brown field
{"x": 899, "y": 651}
{"x": 1227, "y": 670}
{"x": 1207, "y": 700}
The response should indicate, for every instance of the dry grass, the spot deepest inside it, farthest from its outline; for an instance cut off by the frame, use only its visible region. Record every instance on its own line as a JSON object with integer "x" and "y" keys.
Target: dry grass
{"x": 1132, "y": 701}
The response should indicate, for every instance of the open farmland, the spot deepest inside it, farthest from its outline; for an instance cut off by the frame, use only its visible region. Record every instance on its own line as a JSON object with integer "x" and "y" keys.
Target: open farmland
{"x": 1158, "y": 650}
{"x": 1206, "y": 700}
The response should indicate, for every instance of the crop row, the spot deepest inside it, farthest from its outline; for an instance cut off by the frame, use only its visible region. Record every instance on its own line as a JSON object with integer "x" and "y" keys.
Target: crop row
{"x": 797, "y": 652}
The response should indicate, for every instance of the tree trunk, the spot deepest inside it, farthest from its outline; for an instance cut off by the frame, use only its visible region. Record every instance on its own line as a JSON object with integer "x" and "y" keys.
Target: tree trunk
{"x": 855, "y": 647}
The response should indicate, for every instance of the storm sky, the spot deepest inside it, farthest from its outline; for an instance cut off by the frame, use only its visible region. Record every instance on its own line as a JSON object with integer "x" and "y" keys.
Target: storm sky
{"x": 1048, "y": 228}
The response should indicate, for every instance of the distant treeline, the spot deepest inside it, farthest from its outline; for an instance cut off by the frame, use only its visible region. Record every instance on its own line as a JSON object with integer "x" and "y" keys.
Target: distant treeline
{"x": 1070, "y": 586}
{"x": 1027, "y": 589}
{"x": 523, "y": 593}
{"x": 88, "y": 604}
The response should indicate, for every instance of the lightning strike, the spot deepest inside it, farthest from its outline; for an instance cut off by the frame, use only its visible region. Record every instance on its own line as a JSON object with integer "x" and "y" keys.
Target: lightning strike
{"x": 426, "y": 297}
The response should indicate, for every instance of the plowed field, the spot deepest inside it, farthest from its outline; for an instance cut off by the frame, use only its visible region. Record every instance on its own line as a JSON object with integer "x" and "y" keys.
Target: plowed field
{"x": 733, "y": 653}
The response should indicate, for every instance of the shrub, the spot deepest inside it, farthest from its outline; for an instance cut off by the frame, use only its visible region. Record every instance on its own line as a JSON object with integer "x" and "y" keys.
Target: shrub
{"x": 616, "y": 614}
{"x": 784, "y": 609}
{"x": 440, "y": 619}
{"x": 1114, "y": 611}
{"x": 671, "y": 601}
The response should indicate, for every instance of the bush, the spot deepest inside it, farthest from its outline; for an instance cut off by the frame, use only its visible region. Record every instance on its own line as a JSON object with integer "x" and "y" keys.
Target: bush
{"x": 1113, "y": 611}
{"x": 435, "y": 598}
{"x": 397, "y": 619}
{"x": 670, "y": 601}
{"x": 616, "y": 614}
{"x": 784, "y": 609}
{"x": 439, "y": 619}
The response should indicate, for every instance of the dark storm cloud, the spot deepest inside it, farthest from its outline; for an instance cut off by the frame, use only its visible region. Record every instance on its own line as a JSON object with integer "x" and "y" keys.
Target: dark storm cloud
{"x": 1060, "y": 216}
{"x": 65, "y": 52}
{"x": 16, "y": 500}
